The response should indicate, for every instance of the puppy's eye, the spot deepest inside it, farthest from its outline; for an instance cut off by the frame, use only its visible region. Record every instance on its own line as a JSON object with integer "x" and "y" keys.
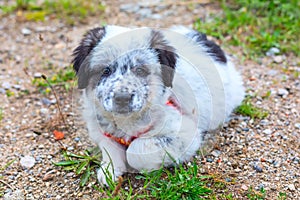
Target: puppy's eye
{"x": 106, "y": 71}
{"x": 141, "y": 71}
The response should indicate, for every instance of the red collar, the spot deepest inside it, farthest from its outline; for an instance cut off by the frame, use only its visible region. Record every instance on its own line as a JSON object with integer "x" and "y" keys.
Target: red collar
{"x": 125, "y": 143}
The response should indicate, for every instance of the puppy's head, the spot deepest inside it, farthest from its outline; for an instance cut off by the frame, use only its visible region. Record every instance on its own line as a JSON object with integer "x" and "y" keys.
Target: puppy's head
{"x": 126, "y": 71}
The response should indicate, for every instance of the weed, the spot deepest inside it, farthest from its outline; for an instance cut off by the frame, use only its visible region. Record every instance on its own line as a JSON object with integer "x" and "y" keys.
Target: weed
{"x": 253, "y": 195}
{"x": 70, "y": 11}
{"x": 1, "y": 114}
{"x": 82, "y": 164}
{"x": 281, "y": 196}
{"x": 65, "y": 78}
{"x": 248, "y": 109}
{"x": 257, "y": 25}
{"x": 2, "y": 183}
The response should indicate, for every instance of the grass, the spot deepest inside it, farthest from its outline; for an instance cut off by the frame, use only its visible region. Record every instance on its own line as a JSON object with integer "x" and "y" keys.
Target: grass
{"x": 256, "y": 25}
{"x": 70, "y": 11}
{"x": 180, "y": 182}
{"x": 82, "y": 164}
{"x": 2, "y": 183}
{"x": 248, "y": 109}
{"x": 64, "y": 77}
{"x": 1, "y": 114}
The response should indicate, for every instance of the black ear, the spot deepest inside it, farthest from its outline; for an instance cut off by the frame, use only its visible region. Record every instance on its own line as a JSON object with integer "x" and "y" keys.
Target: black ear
{"x": 166, "y": 55}
{"x": 87, "y": 44}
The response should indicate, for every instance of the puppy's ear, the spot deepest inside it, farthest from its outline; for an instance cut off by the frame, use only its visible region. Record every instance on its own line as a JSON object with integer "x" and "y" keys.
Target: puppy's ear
{"x": 87, "y": 44}
{"x": 166, "y": 55}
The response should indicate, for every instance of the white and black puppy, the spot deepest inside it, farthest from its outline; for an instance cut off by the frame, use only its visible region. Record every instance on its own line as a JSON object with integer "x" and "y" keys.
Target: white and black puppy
{"x": 150, "y": 95}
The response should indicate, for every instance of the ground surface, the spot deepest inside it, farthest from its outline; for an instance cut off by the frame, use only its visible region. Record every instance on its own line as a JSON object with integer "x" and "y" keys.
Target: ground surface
{"x": 251, "y": 153}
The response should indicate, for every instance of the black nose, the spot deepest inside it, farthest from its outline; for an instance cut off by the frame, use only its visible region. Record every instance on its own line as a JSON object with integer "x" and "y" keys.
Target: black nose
{"x": 123, "y": 101}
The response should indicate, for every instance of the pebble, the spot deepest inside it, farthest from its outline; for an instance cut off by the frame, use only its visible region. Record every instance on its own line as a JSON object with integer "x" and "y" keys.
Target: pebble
{"x": 244, "y": 187}
{"x": 37, "y": 75}
{"x": 272, "y": 51}
{"x": 27, "y": 162}
{"x": 46, "y": 101}
{"x": 258, "y": 168}
{"x": 209, "y": 160}
{"x": 216, "y": 153}
{"x": 297, "y": 125}
{"x": 278, "y": 59}
{"x": 130, "y": 8}
{"x": 15, "y": 195}
{"x": 267, "y": 131}
{"x": 26, "y": 31}
{"x": 282, "y": 92}
{"x": 44, "y": 111}
{"x": 6, "y": 85}
{"x": 145, "y": 12}
{"x": 77, "y": 139}
{"x": 291, "y": 187}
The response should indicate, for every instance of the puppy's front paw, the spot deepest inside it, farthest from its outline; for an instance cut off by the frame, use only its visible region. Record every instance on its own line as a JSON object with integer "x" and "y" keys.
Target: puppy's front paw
{"x": 106, "y": 175}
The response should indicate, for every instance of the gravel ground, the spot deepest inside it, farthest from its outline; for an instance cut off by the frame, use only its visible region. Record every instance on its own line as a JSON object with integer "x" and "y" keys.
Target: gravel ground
{"x": 253, "y": 153}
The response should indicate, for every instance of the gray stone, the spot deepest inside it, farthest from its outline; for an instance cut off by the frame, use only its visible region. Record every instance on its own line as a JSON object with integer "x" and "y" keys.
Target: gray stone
{"x": 6, "y": 85}
{"x": 26, "y": 31}
{"x": 282, "y": 92}
{"x": 27, "y": 162}
{"x": 272, "y": 51}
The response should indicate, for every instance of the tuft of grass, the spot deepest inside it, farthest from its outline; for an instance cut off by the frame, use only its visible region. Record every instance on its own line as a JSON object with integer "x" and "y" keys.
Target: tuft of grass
{"x": 256, "y": 25}
{"x": 1, "y": 114}
{"x": 248, "y": 109}
{"x": 2, "y": 183}
{"x": 65, "y": 77}
{"x": 82, "y": 164}
{"x": 253, "y": 195}
{"x": 70, "y": 11}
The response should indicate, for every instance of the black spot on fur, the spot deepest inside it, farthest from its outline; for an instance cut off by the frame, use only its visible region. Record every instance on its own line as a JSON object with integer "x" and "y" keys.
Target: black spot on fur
{"x": 166, "y": 55}
{"x": 87, "y": 44}
{"x": 211, "y": 48}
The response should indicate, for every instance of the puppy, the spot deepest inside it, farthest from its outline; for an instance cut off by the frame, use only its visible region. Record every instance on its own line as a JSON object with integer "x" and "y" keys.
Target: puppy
{"x": 151, "y": 95}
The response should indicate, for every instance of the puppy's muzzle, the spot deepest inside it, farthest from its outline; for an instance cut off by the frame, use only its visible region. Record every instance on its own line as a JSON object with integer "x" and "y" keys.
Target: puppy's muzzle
{"x": 123, "y": 102}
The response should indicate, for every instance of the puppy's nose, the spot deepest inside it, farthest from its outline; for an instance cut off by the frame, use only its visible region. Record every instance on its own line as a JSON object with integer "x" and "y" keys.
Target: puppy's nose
{"x": 122, "y": 101}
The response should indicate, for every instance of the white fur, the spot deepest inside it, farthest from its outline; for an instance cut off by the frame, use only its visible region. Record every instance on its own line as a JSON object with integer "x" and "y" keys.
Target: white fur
{"x": 206, "y": 90}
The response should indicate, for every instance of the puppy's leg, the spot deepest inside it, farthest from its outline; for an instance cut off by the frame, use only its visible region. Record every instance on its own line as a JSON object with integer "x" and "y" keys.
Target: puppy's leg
{"x": 153, "y": 152}
{"x": 113, "y": 160}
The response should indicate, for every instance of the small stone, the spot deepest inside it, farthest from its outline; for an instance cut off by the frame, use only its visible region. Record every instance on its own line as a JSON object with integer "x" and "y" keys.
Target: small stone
{"x": 70, "y": 148}
{"x": 258, "y": 168}
{"x": 27, "y": 162}
{"x": 216, "y": 153}
{"x": 297, "y": 125}
{"x": 278, "y": 59}
{"x": 48, "y": 177}
{"x": 145, "y": 12}
{"x": 6, "y": 85}
{"x": 37, "y": 75}
{"x": 130, "y": 8}
{"x": 209, "y": 160}
{"x": 282, "y": 92}
{"x": 272, "y": 51}
{"x": 291, "y": 187}
{"x": 267, "y": 131}
{"x": 228, "y": 179}
{"x": 156, "y": 16}
{"x": 244, "y": 187}
{"x": 46, "y": 101}
{"x": 44, "y": 111}
{"x": 26, "y": 31}
{"x": 77, "y": 139}
{"x": 15, "y": 195}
